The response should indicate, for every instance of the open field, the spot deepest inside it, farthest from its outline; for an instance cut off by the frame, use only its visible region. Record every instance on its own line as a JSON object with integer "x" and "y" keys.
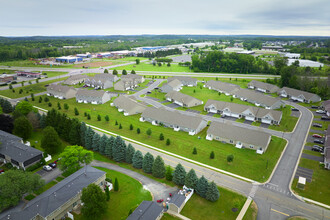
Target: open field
{"x": 198, "y": 207}
{"x": 94, "y": 64}
{"x": 150, "y": 67}
{"x": 246, "y": 163}
{"x": 251, "y": 213}
{"x": 28, "y": 89}
{"x": 318, "y": 189}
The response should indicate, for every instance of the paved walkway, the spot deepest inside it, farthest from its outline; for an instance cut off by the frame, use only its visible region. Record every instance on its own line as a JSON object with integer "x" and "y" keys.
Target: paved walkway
{"x": 157, "y": 189}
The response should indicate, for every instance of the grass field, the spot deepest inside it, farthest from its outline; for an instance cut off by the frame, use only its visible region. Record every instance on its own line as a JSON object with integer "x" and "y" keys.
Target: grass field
{"x": 251, "y": 213}
{"x": 150, "y": 67}
{"x": 169, "y": 217}
{"x": 45, "y": 187}
{"x": 198, "y": 207}
{"x": 7, "y": 71}
{"x": 31, "y": 63}
{"x": 129, "y": 196}
{"x": 287, "y": 123}
{"x": 318, "y": 189}
{"x": 28, "y": 89}
{"x": 246, "y": 163}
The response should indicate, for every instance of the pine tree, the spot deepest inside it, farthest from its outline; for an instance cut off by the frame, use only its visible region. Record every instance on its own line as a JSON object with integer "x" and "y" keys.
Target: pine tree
{"x": 137, "y": 159}
{"x": 43, "y": 123}
{"x": 168, "y": 141}
{"x": 195, "y": 150}
{"x": 191, "y": 179}
{"x": 179, "y": 175}
{"x": 66, "y": 106}
{"x": 133, "y": 72}
{"x": 129, "y": 154}
{"x": 76, "y": 112}
{"x": 89, "y": 138}
{"x": 106, "y": 118}
{"x": 74, "y": 135}
{"x": 58, "y": 106}
{"x": 124, "y": 72}
{"x": 119, "y": 149}
{"x": 158, "y": 168}
{"x": 120, "y": 127}
{"x": 201, "y": 187}
{"x": 40, "y": 99}
{"x": 138, "y": 131}
{"x": 107, "y": 193}
{"x": 102, "y": 144}
{"x": 116, "y": 185}
{"x": 230, "y": 158}
{"x": 83, "y": 130}
{"x": 161, "y": 136}
{"x": 212, "y": 193}
{"x": 88, "y": 116}
{"x": 99, "y": 117}
{"x": 131, "y": 127}
{"x": 148, "y": 132}
{"x": 116, "y": 122}
{"x": 96, "y": 142}
{"x": 115, "y": 72}
{"x": 212, "y": 155}
{"x": 169, "y": 173}
{"x": 148, "y": 161}
{"x": 109, "y": 146}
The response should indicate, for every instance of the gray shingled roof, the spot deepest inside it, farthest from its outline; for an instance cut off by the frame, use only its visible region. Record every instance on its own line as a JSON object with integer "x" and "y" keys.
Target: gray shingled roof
{"x": 147, "y": 210}
{"x": 222, "y": 86}
{"x": 131, "y": 76}
{"x": 12, "y": 146}
{"x": 59, "y": 88}
{"x": 92, "y": 93}
{"x": 270, "y": 87}
{"x": 296, "y": 93}
{"x": 74, "y": 78}
{"x": 55, "y": 197}
{"x": 182, "y": 78}
{"x": 327, "y": 144}
{"x": 257, "y": 97}
{"x": 235, "y": 133}
{"x": 178, "y": 96}
{"x": 178, "y": 199}
{"x": 128, "y": 105}
{"x": 172, "y": 117}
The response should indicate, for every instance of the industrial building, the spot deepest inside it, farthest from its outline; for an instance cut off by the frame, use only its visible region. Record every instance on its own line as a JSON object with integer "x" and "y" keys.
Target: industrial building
{"x": 68, "y": 59}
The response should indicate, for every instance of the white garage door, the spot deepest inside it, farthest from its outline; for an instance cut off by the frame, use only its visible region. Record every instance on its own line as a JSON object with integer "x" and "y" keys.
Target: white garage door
{"x": 235, "y": 115}
{"x": 249, "y": 118}
{"x": 212, "y": 110}
{"x": 266, "y": 121}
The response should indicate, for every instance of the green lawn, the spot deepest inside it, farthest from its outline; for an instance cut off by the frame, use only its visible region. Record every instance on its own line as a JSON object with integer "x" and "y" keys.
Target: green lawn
{"x": 246, "y": 163}
{"x": 287, "y": 123}
{"x": 129, "y": 196}
{"x": 28, "y": 89}
{"x": 59, "y": 179}
{"x": 251, "y": 213}
{"x": 31, "y": 63}
{"x": 198, "y": 207}
{"x": 318, "y": 189}
{"x": 150, "y": 67}
{"x": 5, "y": 71}
{"x": 29, "y": 197}
{"x": 45, "y": 187}
{"x": 169, "y": 217}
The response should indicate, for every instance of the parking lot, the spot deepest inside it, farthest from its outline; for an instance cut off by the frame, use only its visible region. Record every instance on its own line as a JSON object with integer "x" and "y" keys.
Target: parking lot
{"x": 48, "y": 176}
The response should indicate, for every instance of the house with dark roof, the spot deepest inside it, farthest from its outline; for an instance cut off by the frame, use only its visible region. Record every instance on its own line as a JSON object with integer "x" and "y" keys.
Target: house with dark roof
{"x": 12, "y": 150}
{"x": 222, "y": 87}
{"x": 185, "y": 80}
{"x": 262, "y": 87}
{"x": 93, "y": 96}
{"x": 183, "y": 99}
{"x": 61, "y": 199}
{"x": 147, "y": 210}
{"x": 298, "y": 95}
{"x": 61, "y": 92}
{"x": 249, "y": 113}
{"x": 238, "y": 136}
{"x": 327, "y": 149}
{"x": 173, "y": 119}
{"x": 259, "y": 99}
{"x": 326, "y": 107}
{"x": 174, "y": 85}
{"x": 128, "y": 105}
{"x": 179, "y": 199}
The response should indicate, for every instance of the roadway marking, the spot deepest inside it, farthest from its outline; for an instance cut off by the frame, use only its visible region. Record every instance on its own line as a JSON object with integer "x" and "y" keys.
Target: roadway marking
{"x": 304, "y": 208}
{"x": 279, "y": 212}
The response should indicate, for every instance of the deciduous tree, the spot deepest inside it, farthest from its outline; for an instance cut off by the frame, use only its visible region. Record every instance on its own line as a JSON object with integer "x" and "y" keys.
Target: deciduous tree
{"x": 73, "y": 156}
{"x": 22, "y": 128}
{"x": 94, "y": 202}
{"x": 50, "y": 141}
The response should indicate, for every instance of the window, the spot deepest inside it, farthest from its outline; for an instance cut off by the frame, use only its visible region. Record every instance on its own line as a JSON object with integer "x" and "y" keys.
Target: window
{"x": 231, "y": 141}
{"x": 74, "y": 204}
{"x": 251, "y": 146}
{"x": 217, "y": 138}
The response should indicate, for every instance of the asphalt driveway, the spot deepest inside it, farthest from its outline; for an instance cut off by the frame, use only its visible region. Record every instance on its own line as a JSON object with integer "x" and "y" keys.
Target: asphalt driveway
{"x": 48, "y": 176}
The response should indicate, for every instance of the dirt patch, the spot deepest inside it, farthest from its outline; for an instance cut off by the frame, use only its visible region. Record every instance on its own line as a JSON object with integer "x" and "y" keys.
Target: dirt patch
{"x": 95, "y": 64}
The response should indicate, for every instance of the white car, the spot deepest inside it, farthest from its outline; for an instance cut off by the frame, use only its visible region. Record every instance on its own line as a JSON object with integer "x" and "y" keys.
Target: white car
{"x": 47, "y": 168}
{"x": 320, "y": 111}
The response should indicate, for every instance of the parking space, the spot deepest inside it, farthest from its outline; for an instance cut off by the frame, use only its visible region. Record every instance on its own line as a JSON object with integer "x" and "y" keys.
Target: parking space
{"x": 312, "y": 157}
{"x": 166, "y": 101}
{"x": 307, "y": 147}
{"x": 263, "y": 125}
{"x": 152, "y": 98}
{"x": 230, "y": 118}
{"x": 304, "y": 172}
{"x": 317, "y": 131}
{"x": 247, "y": 122}
{"x": 311, "y": 139}
{"x": 173, "y": 105}
{"x": 193, "y": 111}
{"x": 48, "y": 176}
{"x": 210, "y": 114}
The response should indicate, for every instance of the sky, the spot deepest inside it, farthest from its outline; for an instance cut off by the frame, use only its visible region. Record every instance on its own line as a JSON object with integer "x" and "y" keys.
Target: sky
{"x": 135, "y": 17}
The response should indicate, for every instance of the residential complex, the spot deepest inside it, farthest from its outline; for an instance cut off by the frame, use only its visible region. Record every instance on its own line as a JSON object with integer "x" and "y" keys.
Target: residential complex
{"x": 128, "y": 105}
{"x": 185, "y": 80}
{"x": 61, "y": 92}
{"x": 263, "y": 87}
{"x": 93, "y": 96}
{"x": 182, "y": 99}
{"x": 298, "y": 95}
{"x": 222, "y": 87}
{"x": 174, "y": 85}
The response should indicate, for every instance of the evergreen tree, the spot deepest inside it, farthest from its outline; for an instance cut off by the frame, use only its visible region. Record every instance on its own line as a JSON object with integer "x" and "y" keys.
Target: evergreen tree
{"x": 50, "y": 141}
{"x": 106, "y": 118}
{"x": 46, "y": 99}
{"x": 107, "y": 193}
{"x": 119, "y": 149}
{"x": 212, "y": 193}
{"x": 59, "y": 106}
{"x": 96, "y": 142}
{"x": 40, "y": 99}
{"x": 131, "y": 127}
{"x": 230, "y": 158}
{"x": 149, "y": 132}
{"x": 120, "y": 127}
{"x": 83, "y": 131}
{"x": 129, "y": 154}
{"x": 148, "y": 161}
{"x": 6, "y": 106}
{"x": 161, "y": 136}
{"x": 201, "y": 187}
{"x": 66, "y": 106}
{"x": 88, "y": 117}
{"x": 74, "y": 135}
{"x": 124, "y": 72}
{"x": 168, "y": 141}
{"x": 89, "y": 138}
{"x": 43, "y": 123}
{"x": 179, "y": 175}
{"x": 22, "y": 127}
{"x": 109, "y": 146}
{"x": 133, "y": 72}
{"x": 102, "y": 144}
{"x": 212, "y": 155}
{"x": 138, "y": 131}
{"x": 76, "y": 112}
{"x": 116, "y": 122}
{"x": 169, "y": 173}
{"x": 137, "y": 159}
{"x": 115, "y": 72}
{"x": 116, "y": 185}
{"x": 106, "y": 71}
{"x": 99, "y": 117}
{"x": 158, "y": 168}
{"x": 191, "y": 179}
{"x": 195, "y": 150}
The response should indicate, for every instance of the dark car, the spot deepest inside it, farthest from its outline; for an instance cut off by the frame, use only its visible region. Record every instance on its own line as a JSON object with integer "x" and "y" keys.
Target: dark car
{"x": 325, "y": 118}
{"x": 2, "y": 171}
{"x": 318, "y": 141}
{"x": 294, "y": 109}
{"x": 314, "y": 106}
{"x": 317, "y": 125}
{"x": 317, "y": 148}
{"x": 52, "y": 165}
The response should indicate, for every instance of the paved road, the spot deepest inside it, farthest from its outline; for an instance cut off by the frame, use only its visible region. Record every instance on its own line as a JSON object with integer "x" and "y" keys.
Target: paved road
{"x": 158, "y": 190}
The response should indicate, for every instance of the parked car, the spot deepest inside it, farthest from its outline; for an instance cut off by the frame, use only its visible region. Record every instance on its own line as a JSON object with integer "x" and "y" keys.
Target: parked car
{"x": 295, "y": 109}
{"x": 314, "y": 106}
{"x": 320, "y": 111}
{"x": 160, "y": 200}
{"x": 317, "y": 125}
{"x": 317, "y": 136}
{"x": 318, "y": 141}
{"x": 47, "y": 168}
{"x": 317, "y": 148}
{"x": 2, "y": 171}
{"x": 52, "y": 165}
{"x": 326, "y": 118}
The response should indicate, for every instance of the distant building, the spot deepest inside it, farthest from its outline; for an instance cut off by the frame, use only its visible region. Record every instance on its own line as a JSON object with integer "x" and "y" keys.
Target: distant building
{"x": 292, "y": 55}
{"x": 262, "y": 87}
{"x": 75, "y": 79}
{"x": 28, "y": 74}
{"x": 185, "y": 80}
{"x": 85, "y": 55}
{"x": 68, "y": 59}
{"x": 272, "y": 48}
{"x": 174, "y": 85}
{"x": 246, "y": 52}
{"x": 93, "y": 96}
{"x": 7, "y": 77}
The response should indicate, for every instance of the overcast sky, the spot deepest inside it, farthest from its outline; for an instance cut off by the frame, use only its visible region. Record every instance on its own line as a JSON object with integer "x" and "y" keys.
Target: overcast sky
{"x": 110, "y": 17}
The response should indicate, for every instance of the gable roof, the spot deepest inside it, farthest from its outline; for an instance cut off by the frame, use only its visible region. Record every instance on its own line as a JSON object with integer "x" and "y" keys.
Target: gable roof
{"x": 60, "y": 88}
{"x": 182, "y": 79}
{"x": 91, "y": 93}
{"x": 326, "y": 105}
{"x": 131, "y": 76}
{"x": 128, "y": 105}
{"x": 235, "y": 133}
{"x": 173, "y": 84}
{"x": 74, "y": 78}
{"x": 327, "y": 145}
{"x": 222, "y": 86}
{"x": 178, "y": 199}
{"x": 172, "y": 117}
{"x": 12, "y": 146}
{"x": 257, "y": 97}
{"x": 296, "y": 93}
{"x": 147, "y": 210}
{"x": 258, "y": 84}
{"x": 178, "y": 96}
